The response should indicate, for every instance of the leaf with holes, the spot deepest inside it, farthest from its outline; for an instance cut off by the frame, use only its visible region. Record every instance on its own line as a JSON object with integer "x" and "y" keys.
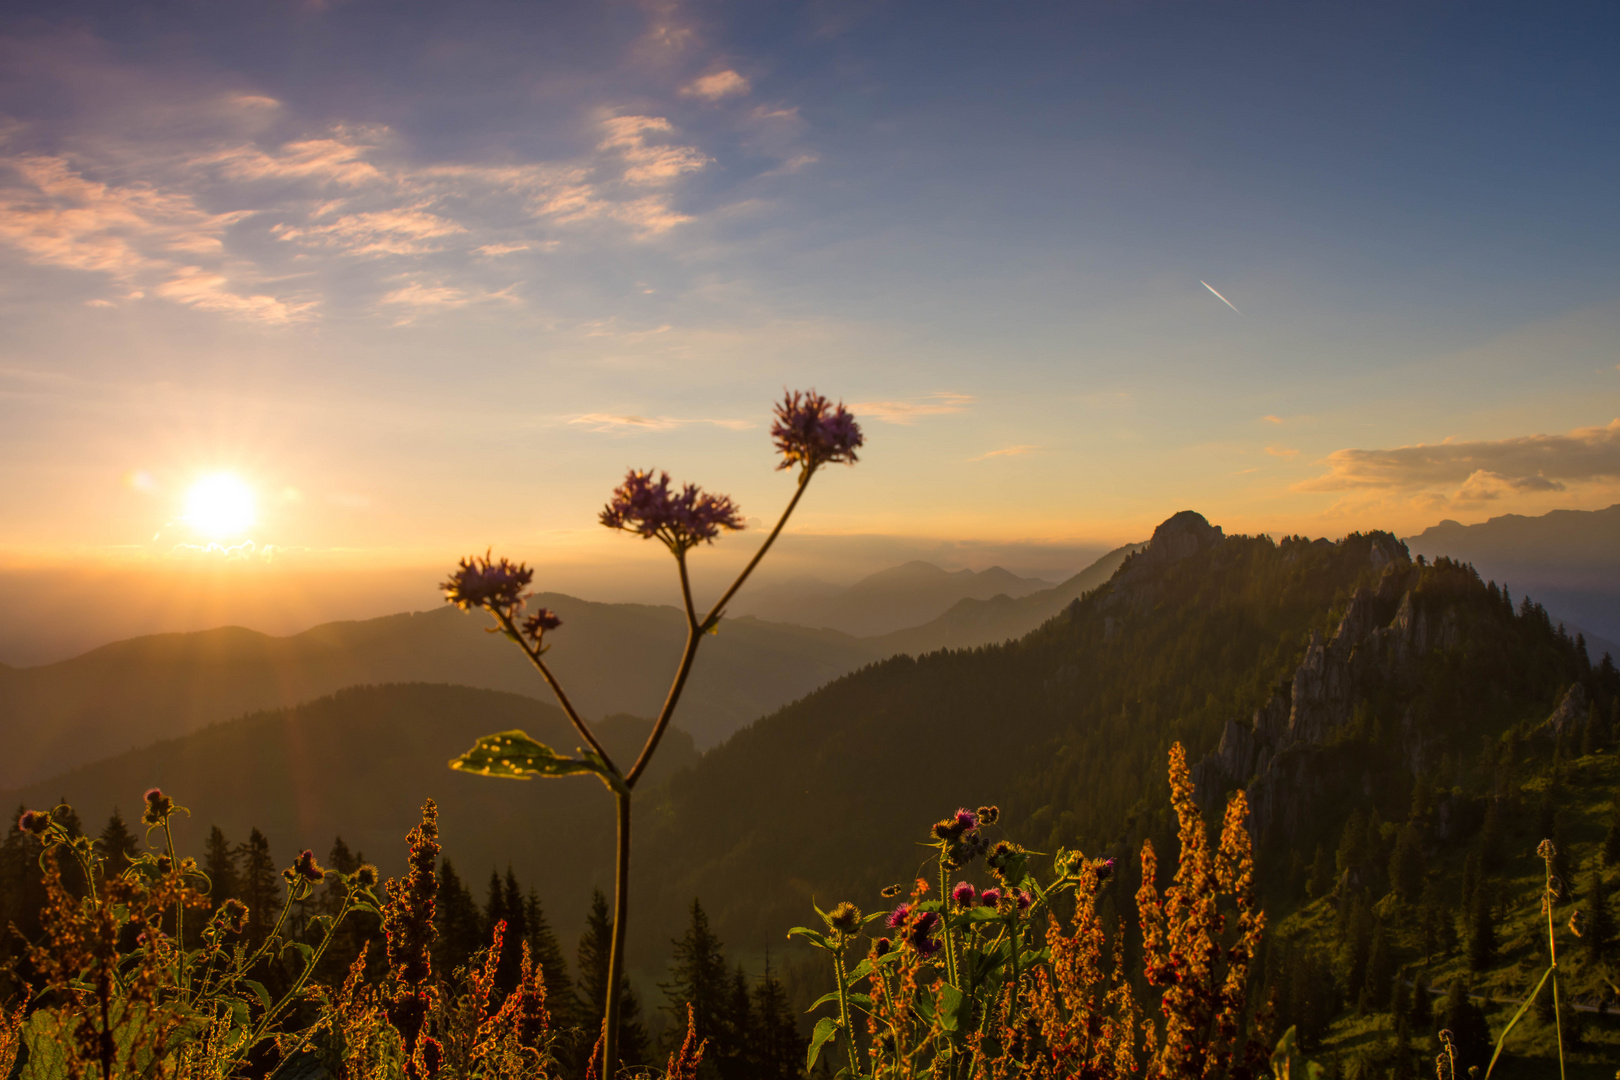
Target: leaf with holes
{"x": 512, "y": 755}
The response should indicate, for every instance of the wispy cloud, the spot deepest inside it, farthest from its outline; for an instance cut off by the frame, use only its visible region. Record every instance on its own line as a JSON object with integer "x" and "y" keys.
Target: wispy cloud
{"x": 616, "y": 423}
{"x": 420, "y": 298}
{"x": 649, "y": 162}
{"x": 717, "y": 85}
{"x": 1479, "y": 470}
{"x": 1282, "y": 452}
{"x": 908, "y": 411}
{"x": 1006, "y": 451}
{"x": 1268, "y": 418}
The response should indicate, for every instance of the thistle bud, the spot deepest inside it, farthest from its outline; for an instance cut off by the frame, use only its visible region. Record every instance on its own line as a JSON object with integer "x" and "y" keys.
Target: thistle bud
{"x": 366, "y": 877}
{"x": 35, "y": 822}
{"x": 158, "y": 807}
{"x": 845, "y": 918}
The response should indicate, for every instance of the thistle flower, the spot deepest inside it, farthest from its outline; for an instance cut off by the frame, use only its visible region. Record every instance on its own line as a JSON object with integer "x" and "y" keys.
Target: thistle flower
{"x": 304, "y": 866}
{"x": 537, "y": 624}
{"x": 233, "y": 914}
{"x": 1024, "y": 899}
{"x": 882, "y": 947}
{"x": 650, "y": 509}
{"x": 35, "y": 822}
{"x": 845, "y": 918}
{"x": 366, "y": 877}
{"x": 158, "y": 807}
{"x": 897, "y": 917}
{"x": 990, "y": 897}
{"x": 920, "y": 935}
{"x": 482, "y": 582}
{"x": 811, "y": 431}
{"x": 1104, "y": 868}
{"x": 964, "y": 894}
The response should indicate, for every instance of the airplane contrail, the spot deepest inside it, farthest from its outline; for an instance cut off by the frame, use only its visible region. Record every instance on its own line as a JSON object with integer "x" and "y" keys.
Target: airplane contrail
{"x": 1218, "y": 296}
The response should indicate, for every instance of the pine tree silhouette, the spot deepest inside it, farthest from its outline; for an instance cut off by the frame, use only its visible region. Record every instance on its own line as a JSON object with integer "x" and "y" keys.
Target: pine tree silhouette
{"x": 517, "y": 932}
{"x": 779, "y": 1048}
{"x": 1599, "y": 922}
{"x": 595, "y": 949}
{"x": 260, "y": 888}
{"x": 220, "y": 863}
{"x": 459, "y": 922}
{"x": 698, "y": 977}
{"x": 118, "y": 846}
{"x": 548, "y": 954}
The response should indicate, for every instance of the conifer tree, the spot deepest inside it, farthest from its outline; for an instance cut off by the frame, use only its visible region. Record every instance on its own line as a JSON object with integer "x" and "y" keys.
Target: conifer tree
{"x": 261, "y": 886}
{"x": 548, "y": 954}
{"x": 1357, "y": 947}
{"x": 1353, "y": 843}
{"x": 779, "y": 1048}
{"x": 1481, "y": 931}
{"x": 118, "y": 845}
{"x": 510, "y": 969}
{"x": 1406, "y": 864}
{"x": 595, "y": 950}
{"x": 1422, "y": 1012}
{"x": 1599, "y": 928}
{"x": 698, "y": 977}
{"x": 459, "y": 922}
{"x": 1375, "y": 992}
{"x": 1321, "y": 879}
{"x": 1466, "y": 1022}
{"x": 1491, "y": 854}
{"x": 494, "y": 904}
{"x": 736, "y": 1059}
{"x": 220, "y": 858}
{"x": 1611, "y": 842}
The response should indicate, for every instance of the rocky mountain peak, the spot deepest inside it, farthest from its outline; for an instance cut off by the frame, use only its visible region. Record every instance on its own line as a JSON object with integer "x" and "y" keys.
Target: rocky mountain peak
{"x": 1180, "y": 536}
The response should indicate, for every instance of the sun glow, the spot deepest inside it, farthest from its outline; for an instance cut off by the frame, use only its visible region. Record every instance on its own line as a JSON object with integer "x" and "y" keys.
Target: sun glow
{"x": 220, "y": 507}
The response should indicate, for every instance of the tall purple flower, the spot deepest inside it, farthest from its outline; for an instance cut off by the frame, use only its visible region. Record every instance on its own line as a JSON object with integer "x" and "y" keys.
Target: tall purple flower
{"x": 811, "y": 431}
{"x": 482, "y": 582}
{"x": 650, "y": 509}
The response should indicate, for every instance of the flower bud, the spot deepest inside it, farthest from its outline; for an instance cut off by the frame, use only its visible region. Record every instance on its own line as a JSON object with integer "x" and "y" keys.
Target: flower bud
{"x": 845, "y": 918}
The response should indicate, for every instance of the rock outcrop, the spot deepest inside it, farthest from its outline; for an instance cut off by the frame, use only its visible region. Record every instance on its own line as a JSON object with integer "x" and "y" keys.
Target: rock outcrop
{"x": 1278, "y": 756}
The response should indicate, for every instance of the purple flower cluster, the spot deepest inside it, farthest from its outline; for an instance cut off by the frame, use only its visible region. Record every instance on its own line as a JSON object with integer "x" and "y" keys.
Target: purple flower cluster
{"x": 537, "y": 624}
{"x": 649, "y": 508}
{"x": 482, "y": 582}
{"x": 960, "y": 838}
{"x": 921, "y": 934}
{"x": 811, "y": 431}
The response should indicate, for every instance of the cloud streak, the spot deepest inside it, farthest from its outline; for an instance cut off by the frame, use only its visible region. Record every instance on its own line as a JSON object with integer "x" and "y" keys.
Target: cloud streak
{"x": 910, "y": 410}
{"x": 1006, "y": 451}
{"x": 1478, "y": 470}
{"x": 615, "y": 423}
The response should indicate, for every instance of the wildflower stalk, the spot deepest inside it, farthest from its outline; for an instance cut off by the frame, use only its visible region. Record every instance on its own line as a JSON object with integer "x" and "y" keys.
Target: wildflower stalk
{"x": 1552, "y": 952}
{"x": 263, "y": 1027}
{"x": 843, "y": 1009}
{"x": 809, "y": 431}
{"x": 950, "y": 938}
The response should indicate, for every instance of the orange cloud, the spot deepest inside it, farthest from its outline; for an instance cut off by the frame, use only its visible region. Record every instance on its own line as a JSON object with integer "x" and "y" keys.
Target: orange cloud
{"x": 716, "y": 86}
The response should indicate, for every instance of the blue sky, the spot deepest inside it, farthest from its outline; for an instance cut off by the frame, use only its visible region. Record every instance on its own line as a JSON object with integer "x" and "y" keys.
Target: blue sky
{"x": 428, "y": 277}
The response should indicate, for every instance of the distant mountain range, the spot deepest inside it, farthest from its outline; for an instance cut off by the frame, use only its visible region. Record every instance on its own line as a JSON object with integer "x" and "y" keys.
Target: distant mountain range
{"x": 613, "y": 658}
{"x": 359, "y": 763}
{"x": 894, "y": 599}
{"x": 1568, "y": 560}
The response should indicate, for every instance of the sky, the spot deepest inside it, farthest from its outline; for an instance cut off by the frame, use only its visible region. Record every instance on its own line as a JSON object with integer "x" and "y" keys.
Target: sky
{"x": 427, "y": 278}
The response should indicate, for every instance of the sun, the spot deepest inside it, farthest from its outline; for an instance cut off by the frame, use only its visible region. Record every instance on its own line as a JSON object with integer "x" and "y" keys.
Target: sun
{"x": 220, "y": 506}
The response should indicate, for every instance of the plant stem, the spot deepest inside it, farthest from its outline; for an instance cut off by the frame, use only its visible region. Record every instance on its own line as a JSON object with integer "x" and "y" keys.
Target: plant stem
{"x": 695, "y": 631}
{"x": 621, "y": 915}
{"x": 950, "y": 939}
{"x": 179, "y": 911}
{"x": 533, "y": 653}
{"x": 1552, "y": 952}
{"x": 843, "y": 1012}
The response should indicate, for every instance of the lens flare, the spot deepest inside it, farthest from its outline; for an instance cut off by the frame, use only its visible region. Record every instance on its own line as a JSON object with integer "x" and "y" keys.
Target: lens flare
{"x": 220, "y": 507}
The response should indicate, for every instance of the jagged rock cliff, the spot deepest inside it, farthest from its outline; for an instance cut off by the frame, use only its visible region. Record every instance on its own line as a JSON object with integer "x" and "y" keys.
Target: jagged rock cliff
{"x": 1276, "y": 757}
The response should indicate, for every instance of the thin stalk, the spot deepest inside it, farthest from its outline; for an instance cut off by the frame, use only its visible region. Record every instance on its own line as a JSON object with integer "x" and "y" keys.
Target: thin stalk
{"x": 1552, "y": 952}
{"x": 533, "y": 653}
{"x": 303, "y": 977}
{"x": 179, "y": 912}
{"x": 950, "y": 939}
{"x": 621, "y": 916}
{"x": 843, "y": 1011}
{"x": 695, "y": 631}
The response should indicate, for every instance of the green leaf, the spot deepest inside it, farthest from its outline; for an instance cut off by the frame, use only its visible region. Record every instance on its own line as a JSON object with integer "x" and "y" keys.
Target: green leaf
{"x": 817, "y": 938}
{"x": 950, "y": 1007}
{"x": 1516, "y": 1018}
{"x": 826, "y": 1028}
{"x": 512, "y": 755}
{"x": 258, "y": 991}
